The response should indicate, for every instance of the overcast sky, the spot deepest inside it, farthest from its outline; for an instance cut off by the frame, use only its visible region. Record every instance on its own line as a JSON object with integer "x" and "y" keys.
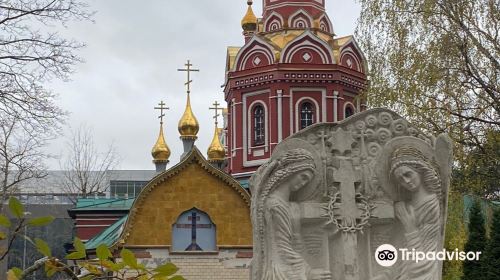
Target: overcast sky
{"x": 131, "y": 60}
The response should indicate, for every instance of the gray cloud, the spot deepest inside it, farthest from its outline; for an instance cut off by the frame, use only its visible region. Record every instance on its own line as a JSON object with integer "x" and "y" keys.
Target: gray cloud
{"x": 132, "y": 54}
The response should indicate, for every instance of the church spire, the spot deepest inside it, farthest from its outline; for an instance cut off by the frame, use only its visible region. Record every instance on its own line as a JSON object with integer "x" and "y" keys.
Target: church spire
{"x": 160, "y": 151}
{"x": 216, "y": 152}
{"x": 249, "y": 22}
{"x": 188, "y": 125}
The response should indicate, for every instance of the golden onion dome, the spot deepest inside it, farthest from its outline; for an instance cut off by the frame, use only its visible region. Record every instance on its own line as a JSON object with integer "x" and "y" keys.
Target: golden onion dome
{"x": 188, "y": 124}
{"x": 216, "y": 151}
{"x": 249, "y": 21}
{"x": 160, "y": 151}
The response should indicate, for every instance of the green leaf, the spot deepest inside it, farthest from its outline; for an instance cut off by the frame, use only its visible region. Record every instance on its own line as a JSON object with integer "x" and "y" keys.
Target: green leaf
{"x": 4, "y": 221}
{"x": 177, "y": 277}
{"x": 80, "y": 253}
{"x": 117, "y": 267}
{"x": 79, "y": 246}
{"x": 17, "y": 271}
{"x": 75, "y": 256}
{"x": 128, "y": 258}
{"x": 3, "y": 235}
{"x": 40, "y": 221}
{"x": 43, "y": 247}
{"x": 11, "y": 275}
{"x": 50, "y": 268}
{"x": 103, "y": 252}
{"x": 166, "y": 269}
{"x": 88, "y": 277}
{"x": 16, "y": 207}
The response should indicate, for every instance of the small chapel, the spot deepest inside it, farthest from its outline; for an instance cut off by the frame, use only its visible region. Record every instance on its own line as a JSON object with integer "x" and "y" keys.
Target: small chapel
{"x": 291, "y": 71}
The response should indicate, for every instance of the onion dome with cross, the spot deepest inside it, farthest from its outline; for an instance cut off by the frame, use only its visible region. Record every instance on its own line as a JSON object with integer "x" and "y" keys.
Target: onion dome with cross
{"x": 216, "y": 152}
{"x": 188, "y": 125}
{"x": 161, "y": 151}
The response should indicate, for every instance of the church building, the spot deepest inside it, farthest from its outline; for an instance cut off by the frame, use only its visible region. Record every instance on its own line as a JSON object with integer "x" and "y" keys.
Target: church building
{"x": 291, "y": 72}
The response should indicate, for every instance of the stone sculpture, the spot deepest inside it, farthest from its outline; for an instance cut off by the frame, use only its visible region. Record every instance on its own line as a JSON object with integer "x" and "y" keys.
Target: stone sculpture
{"x": 332, "y": 193}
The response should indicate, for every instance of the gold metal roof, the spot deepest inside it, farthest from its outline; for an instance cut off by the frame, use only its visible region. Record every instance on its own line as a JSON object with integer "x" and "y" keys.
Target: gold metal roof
{"x": 188, "y": 125}
{"x": 249, "y": 21}
{"x": 160, "y": 151}
{"x": 216, "y": 151}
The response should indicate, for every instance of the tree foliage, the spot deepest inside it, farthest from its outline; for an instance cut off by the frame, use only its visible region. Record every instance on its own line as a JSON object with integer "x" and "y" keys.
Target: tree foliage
{"x": 106, "y": 265}
{"x": 480, "y": 172}
{"x": 455, "y": 235}
{"x": 436, "y": 62}
{"x": 492, "y": 254}
{"x": 476, "y": 242}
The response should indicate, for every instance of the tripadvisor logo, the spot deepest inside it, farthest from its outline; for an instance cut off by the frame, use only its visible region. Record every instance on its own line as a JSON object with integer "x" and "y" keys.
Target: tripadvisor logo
{"x": 387, "y": 255}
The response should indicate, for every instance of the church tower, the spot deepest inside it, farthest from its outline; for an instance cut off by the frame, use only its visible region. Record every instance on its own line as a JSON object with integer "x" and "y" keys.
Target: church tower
{"x": 291, "y": 72}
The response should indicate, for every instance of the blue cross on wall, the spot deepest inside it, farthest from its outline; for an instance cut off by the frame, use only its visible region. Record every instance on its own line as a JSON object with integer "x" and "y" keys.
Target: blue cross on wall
{"x": 193, "y": 246}
{"x": 193, "y": 231}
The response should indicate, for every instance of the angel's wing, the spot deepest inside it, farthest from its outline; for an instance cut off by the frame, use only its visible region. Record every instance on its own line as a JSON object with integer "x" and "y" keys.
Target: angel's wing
{"x": 443, "y": 148}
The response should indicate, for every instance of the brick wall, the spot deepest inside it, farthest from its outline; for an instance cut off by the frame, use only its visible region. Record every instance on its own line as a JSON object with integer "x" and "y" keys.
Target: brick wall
{"x": 225, "y": 264}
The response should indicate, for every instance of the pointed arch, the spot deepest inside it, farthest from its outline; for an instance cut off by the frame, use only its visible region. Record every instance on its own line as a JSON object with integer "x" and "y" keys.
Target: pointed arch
{"x": 325, "y": 24}
{"x": 256, "y": 53}
{"x": 307, "y": 48}
{"x": 300, "y": 19}
{"x": 352, "y": 57}
{"x": 273, "y": 22}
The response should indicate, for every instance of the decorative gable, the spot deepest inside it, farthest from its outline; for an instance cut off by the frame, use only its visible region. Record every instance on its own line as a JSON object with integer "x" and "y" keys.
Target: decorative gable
{"x": 307, "y": 48}
{"x": 256, "y": 53}
{"x": 191, "y": 184}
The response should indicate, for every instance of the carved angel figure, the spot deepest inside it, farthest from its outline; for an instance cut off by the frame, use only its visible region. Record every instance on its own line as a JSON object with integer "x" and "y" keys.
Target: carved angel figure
{"x": 420, "y": 213}
{"x": 276, "y": 220}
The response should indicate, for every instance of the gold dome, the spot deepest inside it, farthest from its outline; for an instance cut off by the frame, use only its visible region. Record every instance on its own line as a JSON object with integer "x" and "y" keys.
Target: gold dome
{"x": 160, "y": 151}
{"x": 216, "y": 151}
{"x": 249, "y": 21}
{"x": 188, "y": 124}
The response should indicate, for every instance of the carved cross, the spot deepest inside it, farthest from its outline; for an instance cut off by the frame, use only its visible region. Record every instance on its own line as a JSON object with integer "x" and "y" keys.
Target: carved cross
{"x": 346, "y": 180}
{"x": 161, "y": 108}
{"x": 188, "y": 69}
{"x": 342, "y": 141}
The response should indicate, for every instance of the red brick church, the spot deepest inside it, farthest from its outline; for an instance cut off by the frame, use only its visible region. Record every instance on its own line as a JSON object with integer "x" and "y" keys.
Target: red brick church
{"x": 291, "y": 72}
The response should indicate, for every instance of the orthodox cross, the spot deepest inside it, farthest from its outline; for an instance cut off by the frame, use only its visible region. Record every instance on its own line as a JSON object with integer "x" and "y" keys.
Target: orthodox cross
{"x": 216, "y": 108}
{"x": 193, "y": 246}
{"x": 188, "y": 69}
{"x": 161, "y": 108}
{"x": 348, "y": 217}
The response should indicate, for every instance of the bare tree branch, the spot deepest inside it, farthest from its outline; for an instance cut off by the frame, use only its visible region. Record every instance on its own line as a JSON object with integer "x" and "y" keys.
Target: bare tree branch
{"x": 30, "y": 56}
{"x": 21, "y": 155}
{"x": 85, "y": 168}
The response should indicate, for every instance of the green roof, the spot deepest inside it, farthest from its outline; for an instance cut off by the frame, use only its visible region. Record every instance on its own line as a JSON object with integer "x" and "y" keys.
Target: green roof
{"x": 244, "y": 183}
{"x": 109, "y": 236}
{"x": 92, "y": 204}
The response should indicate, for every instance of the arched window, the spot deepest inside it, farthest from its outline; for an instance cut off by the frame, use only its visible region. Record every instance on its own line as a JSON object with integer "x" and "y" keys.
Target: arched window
{"x": 306, "y": 114}
{"x": 259, "y": 125}
{"x": 193, "y": 231}
{"x": 348, "y": 112}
